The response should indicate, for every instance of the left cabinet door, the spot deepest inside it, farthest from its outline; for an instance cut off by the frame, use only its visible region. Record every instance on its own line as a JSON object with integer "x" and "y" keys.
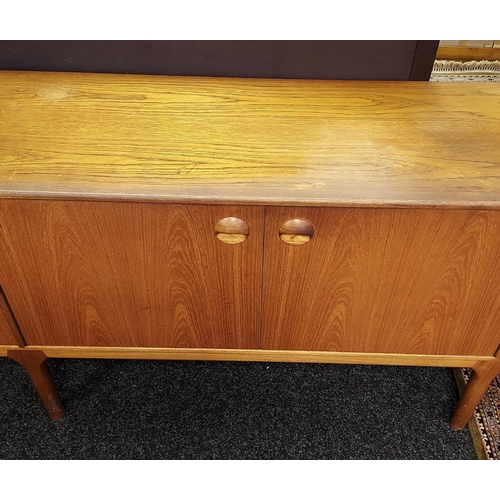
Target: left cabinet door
{"x": 123, "y": 274}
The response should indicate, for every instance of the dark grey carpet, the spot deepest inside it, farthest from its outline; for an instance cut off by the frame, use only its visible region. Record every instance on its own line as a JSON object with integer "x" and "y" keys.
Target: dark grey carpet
{"x": 208, "y": 410}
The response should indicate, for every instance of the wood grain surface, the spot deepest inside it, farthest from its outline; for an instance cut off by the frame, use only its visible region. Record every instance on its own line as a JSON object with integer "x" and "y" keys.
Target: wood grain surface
{"x": 384, "y": 281}
{"x": 35, "y": 363}
{"x": 482, "y": 375}
{"x": 330, "y": 59}
{"x": 130, "y": 274}
{"x": 259, "y": 355}
{"x": 6, "y": 337}
{"x": 258, "y": 141}
{"x": 9, "y": 330}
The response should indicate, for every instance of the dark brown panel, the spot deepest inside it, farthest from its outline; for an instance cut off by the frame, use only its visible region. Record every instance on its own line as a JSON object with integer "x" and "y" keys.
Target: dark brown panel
{"x": 425, "y": 55}
{"x": 320, "y": 59}
{"x": 127, "y": 274}
{"x": 403, "y": 281}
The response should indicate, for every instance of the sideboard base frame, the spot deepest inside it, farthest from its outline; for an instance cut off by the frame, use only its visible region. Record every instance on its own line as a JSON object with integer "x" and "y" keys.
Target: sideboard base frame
{"x": 33, "y": 358}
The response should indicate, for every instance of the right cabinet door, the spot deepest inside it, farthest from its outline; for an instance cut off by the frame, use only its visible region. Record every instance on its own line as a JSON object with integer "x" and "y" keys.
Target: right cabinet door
{"x": 405, "y": 281}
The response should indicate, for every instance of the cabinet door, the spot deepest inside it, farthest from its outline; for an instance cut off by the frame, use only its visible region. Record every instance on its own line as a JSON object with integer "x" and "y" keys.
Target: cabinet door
{"x": 416, "y": 281}
{"x": 130, "y": 274}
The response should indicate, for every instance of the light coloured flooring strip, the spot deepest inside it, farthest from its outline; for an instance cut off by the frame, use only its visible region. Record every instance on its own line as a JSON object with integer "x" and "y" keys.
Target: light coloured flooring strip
{"x": 460, "y": 53}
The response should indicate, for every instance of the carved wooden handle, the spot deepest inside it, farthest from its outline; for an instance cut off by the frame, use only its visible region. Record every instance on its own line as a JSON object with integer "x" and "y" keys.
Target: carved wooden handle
{"x": 232, "y": 230}
{"x": 296, "y": 231}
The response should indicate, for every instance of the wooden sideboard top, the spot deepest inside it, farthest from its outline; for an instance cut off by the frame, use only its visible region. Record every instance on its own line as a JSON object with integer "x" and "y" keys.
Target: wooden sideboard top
{"x": 256, "y": 141}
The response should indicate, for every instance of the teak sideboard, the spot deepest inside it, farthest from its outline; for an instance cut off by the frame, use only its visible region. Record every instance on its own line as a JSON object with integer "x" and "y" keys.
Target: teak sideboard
{"x": 161, "y": 217}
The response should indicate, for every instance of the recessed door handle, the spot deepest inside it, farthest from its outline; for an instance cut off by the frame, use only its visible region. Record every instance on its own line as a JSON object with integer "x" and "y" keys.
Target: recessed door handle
{"x": 232, "y": 230}
{"x": 296, "y": 232}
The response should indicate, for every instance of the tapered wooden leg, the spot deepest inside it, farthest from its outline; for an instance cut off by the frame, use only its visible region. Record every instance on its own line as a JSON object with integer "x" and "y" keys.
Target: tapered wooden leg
{"x": 35, "y": 363}
{"x": 482, "y": 375}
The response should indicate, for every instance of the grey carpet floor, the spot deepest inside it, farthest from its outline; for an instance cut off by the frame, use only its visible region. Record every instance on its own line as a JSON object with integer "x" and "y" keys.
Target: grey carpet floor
{"x": 123, "y": 409}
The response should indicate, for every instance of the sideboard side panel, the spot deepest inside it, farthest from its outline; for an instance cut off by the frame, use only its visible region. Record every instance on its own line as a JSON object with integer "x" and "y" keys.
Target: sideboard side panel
{"x": 9, "y": 333}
